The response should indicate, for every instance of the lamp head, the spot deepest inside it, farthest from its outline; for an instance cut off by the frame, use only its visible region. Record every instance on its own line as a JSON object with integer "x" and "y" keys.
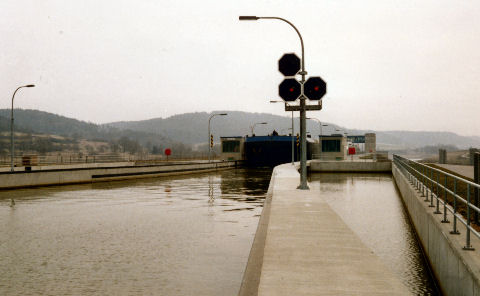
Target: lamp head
{"x": 248, "y": 18}
{"x": 30, "y": 85}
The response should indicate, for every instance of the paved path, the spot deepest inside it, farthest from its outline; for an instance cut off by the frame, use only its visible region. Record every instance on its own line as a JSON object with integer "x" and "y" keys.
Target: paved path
{"x": 309, "y": 250}
{"x": 464, "y": 170}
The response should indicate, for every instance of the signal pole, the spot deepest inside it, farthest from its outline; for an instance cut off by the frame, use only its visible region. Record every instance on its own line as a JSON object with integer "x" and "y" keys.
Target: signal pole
{"x": 303, "y": 134}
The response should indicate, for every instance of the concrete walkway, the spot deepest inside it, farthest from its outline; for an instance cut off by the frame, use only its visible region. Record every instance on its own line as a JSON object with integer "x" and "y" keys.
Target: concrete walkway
{"x": 309, "y": 250}
{"x": 464, "y": 170}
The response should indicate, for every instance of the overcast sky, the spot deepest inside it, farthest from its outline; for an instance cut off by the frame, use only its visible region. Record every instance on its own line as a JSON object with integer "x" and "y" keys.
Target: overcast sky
{"x": 388, "y": 64}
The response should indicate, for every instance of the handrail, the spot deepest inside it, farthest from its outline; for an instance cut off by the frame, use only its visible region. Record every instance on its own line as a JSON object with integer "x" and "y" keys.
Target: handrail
{"x": 418, "y": 175}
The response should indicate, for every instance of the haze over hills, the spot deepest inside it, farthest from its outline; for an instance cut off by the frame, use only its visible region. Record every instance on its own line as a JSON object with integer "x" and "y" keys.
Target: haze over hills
{"x": 192, "y": 129}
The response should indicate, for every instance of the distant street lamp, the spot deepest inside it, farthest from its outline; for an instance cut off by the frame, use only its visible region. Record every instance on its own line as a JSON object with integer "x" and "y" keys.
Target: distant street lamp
{"x": 208, "y": 142}
{"x": 293, "y": 146}
{"x": 321, "y": 134}
{"x": 319, "y": 122}
{"x": 253, "y": 126}
{"x": 11, "y": 127}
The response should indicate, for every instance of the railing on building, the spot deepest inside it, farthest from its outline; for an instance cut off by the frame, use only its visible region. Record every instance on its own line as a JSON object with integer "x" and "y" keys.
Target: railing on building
{"x": 439, "y": 187}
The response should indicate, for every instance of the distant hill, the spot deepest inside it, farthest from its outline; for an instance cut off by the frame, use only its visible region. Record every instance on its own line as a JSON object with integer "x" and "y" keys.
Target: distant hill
{"x": 47, "y": 123}
{"x": 192, "y": 129}
{"x": 40, "y": 122}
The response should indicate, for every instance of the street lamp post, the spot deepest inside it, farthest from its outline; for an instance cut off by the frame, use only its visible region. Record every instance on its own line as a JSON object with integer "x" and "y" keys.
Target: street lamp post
{"x": 253, "y": 126}
{"x": 303, "y": 131}
{"x": 321, "y": 134}
{"x": 319, "y": 122}
{"x": 208, "y": 141}
{"x": 293, "y": 146}
{"x": 12, "y": 151}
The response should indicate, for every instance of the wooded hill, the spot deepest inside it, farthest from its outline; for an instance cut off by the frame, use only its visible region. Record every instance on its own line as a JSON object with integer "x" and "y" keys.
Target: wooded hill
{"x": 190, "y": 130}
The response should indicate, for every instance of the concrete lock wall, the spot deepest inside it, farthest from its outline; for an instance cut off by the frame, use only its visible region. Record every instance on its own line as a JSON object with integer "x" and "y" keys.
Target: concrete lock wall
{"x": 457, "y": 270}
{"x": 350, "y": 166}
{"x": 88, "y": 175}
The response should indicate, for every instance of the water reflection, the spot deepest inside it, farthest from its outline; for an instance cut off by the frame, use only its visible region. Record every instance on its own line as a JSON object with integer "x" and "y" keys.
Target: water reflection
{"x": 371, "y": 206}
{"x": 182, "y": 235}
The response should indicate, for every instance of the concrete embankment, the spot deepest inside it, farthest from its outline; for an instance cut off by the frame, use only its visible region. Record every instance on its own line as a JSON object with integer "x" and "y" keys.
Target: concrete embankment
{"x": 302, "y": 247}
{"x": 457, "y": 270}
{"x": 91, "y": 174}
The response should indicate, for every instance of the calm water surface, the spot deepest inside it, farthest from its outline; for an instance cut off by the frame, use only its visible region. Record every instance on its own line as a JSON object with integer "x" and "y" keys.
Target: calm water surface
{"x": 371, "y": 206}
{"x": 182, "y": 235}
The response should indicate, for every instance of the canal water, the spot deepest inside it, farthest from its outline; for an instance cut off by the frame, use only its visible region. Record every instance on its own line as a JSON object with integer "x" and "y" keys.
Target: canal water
{"x": 371, "y": 206}
{"x": 182, "y": 235}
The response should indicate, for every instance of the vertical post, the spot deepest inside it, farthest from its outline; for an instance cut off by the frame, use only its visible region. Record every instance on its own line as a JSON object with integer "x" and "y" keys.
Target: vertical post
{"x": 437, "y": 192}
{"x": 476, "y": 179}
{"x": 431, "y": 188}
{"x": 293, "y": 147}
{"x": 11, "y": 140}
{"x": 208, "y": 142}
{"x": 442, "y": 156}
{"x": 454, "y": 231}
{"x": 425, "y": 190}
{"x": 468, "y": 246}
{"x": 303, "y": 143}
{"x": 445, "y": 220}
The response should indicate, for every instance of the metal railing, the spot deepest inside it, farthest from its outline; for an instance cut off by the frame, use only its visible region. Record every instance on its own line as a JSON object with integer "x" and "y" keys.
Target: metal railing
{"x": 75, "y": 158}
{"x": 434, "y": 184}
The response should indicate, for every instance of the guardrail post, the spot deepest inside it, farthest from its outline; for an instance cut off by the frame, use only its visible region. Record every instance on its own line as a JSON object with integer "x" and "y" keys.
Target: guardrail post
{"x": 437, "y": 211}
{"x": 476, "y": 177}
{"x": 445, "y": 220}
{"x": 423, "y": 181}
{"x": 431, "y": 188}
{"x": 454, "y": 231}
{"x": 468, "y": 246}
{"x": 425, "y": 184}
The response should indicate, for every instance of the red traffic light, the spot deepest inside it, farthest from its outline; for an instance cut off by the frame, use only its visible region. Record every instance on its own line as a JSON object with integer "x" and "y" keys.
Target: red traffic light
{"x": 289, "y": 89}
{"x": 315, "y": 88}
{"x": 289, "y": 64}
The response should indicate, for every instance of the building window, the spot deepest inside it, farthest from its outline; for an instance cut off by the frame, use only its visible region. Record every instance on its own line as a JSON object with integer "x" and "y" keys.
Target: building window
{"x": 330, "y": 145}
{"x": 230, "y": 146}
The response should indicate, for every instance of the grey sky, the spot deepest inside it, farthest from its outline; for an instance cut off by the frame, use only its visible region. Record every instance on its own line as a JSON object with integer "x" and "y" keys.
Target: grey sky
{"x": 411, "y": 65}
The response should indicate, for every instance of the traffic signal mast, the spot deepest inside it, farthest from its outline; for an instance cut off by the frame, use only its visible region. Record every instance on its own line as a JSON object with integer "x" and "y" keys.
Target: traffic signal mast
{"x": 289, "y": 65}
{"x": 290, "y": 90}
